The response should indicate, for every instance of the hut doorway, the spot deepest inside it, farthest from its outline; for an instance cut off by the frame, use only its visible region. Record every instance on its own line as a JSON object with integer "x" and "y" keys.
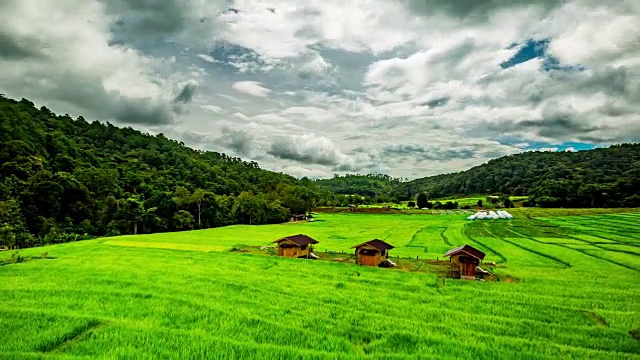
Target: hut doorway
{"x": 468, "y": 269}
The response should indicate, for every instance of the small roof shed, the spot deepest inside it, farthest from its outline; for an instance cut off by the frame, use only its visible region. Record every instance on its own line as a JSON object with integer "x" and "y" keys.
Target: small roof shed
{"x": 464, "y": 260}
{"x": 372, "y": 253}
{"x": 295, "y": 246}
{"x": 298, "y": 217}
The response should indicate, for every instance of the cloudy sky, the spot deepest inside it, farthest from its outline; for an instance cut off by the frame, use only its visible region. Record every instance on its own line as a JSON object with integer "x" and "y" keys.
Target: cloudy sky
{"x": 316, "y": 87}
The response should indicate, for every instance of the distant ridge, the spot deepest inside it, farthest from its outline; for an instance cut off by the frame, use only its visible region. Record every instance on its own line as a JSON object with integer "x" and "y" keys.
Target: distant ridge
{"x": 602, "y": 177}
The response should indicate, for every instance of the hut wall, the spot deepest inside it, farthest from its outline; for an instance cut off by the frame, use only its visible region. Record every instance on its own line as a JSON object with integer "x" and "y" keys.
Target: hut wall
{"x": 464, "y": 265}
{"x": 294, "y": 251}
{"x": 455, "y": 264}
{"x": 368, "y": 259}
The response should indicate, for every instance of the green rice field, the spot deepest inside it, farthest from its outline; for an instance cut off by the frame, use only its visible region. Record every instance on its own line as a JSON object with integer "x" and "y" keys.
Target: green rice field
{"x": 568, "y": 288}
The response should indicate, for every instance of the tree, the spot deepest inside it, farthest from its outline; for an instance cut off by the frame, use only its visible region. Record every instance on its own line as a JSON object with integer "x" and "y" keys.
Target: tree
{"x": 12, "y": 229}
{"x": 249, "y": 208}
{"x": 480, "y": 203}
{"x": 183, "y": 220}
{"x": 196, "y": 198}
{"x": 182, "y": 197}
{"x": 422, "y": 201}
{"x": 133, "y": 212}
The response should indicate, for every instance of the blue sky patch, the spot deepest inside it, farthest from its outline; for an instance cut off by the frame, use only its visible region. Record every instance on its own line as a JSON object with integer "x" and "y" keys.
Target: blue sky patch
{"x": 533, "y": 49}
{"x": 561, "y": 147}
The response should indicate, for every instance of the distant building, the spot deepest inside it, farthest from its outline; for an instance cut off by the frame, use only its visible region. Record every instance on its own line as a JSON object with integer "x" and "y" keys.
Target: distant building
{"x": 464, "y": 261}
{"x": 296, "y": 246}
{"x": 372, "y": 253}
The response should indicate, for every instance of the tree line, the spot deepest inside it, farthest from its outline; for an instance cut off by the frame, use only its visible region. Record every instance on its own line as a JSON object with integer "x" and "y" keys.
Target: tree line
{"x": 64, "y": 179}
{"x": 602, "y": 177}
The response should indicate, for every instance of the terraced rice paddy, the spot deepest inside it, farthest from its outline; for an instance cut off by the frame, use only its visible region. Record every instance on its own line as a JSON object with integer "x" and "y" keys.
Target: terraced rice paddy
{"x": 568, "y": 289}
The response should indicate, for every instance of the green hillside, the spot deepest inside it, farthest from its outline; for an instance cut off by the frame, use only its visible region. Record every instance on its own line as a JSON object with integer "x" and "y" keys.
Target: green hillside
{"x": 604, "y": 177}
{"x": 62, "y": 179}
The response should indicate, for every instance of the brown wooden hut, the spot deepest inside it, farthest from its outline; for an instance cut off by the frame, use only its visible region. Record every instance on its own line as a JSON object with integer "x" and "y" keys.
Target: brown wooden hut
{"x": 295, "y": 246}
{"x": 464, "y": 260}
{"x": 372, "y": 253}
{"x": 298, "y": 217}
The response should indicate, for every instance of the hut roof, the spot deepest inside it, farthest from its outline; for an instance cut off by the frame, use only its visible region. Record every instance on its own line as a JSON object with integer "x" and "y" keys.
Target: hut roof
{"x": 378, "y": 244}
{"x": 300, "y": 240}
{"x": 470, "y": 250}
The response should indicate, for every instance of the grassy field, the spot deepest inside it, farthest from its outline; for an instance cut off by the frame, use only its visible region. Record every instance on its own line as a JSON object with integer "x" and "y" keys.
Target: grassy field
{"x": 568, "y": 289}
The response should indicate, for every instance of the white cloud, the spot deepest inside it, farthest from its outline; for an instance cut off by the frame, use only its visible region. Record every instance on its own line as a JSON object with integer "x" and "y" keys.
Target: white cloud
{"x": 213, "y": 108}
{"x": 207, "y": 58}
{"x": 62, "y": 54}
{"x": 409, "y": 87}
{"x": 252, "y": 88}
{"x": 308, "y": 148}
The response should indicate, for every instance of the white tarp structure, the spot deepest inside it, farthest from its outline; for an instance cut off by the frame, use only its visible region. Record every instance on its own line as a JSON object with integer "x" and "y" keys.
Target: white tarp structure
{"x": 490, "y": 215}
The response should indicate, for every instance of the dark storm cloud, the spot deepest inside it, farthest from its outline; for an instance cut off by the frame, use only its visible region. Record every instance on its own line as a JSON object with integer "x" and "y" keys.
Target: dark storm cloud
{"x": 288, "y": 151}
{"x": 557, "y": 122}
{"x": 186, "y": 94}
{"x": 428, "y": 153}
{"x": 150, "y": 17}
{"x": 437, "y": 102}
{"x": 614, "y": 81}
{"x": 353, "y": 168}
{"x": 138, "y": 21}
{"x": 473, "y": 9}
{"x": 237, "y": 140}
{"x": 141, "y": 111}
{"x": 12, "y": 48}
{"x": 106, "y": 105}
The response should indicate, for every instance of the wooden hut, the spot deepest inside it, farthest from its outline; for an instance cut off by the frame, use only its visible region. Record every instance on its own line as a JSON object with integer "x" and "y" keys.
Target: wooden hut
{"x": 372, "y": 253}
{"x": 298, "y": 217}
{"x": 464, "y": 260}
{"x": 296, "y": 246}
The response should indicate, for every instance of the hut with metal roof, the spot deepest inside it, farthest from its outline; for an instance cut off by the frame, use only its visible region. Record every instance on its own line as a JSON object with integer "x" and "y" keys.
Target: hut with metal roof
{"x": 464, "y": 261}
{"x": 372, "y": 253}
{"x": 296, "y": 246}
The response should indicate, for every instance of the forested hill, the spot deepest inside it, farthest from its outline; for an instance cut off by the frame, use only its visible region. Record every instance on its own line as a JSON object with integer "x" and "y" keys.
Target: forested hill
{"x": 60, "y": 177}
{"x": 373, "y": 185}
{"x": 604, "y": 177}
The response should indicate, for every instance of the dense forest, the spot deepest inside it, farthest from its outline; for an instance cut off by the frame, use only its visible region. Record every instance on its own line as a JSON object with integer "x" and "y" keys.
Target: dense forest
{"x": 604, "y": 177}
{"x": 373, "y": 188}
{"x": 64, "y": 179}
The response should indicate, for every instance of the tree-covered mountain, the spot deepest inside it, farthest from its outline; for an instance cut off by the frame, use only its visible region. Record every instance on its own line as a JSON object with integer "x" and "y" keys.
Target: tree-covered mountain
{"x": 603, "y": 177}
{"x": 61, "y": 177}
{"x": 375, "y": 187}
